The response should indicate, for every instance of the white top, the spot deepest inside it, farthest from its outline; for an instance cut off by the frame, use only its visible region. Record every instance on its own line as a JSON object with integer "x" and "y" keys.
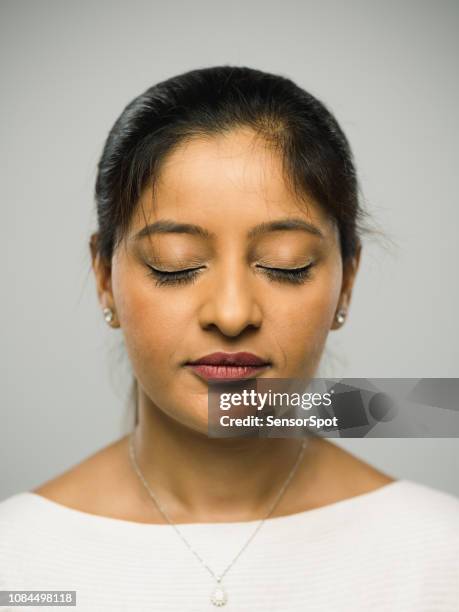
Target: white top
{"x": 394, "y": 549}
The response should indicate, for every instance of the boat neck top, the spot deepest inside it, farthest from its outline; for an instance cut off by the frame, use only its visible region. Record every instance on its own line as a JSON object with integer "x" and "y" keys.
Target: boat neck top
{"x": 394, "y": 548}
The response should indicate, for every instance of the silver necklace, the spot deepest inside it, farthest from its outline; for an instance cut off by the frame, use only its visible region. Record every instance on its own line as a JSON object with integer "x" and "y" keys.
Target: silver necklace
{"x": 219, "y": 596}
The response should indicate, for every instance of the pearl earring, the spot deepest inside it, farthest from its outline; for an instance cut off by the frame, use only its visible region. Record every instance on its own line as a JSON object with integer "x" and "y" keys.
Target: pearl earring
{"x": 108, "y": 315}
{"x": 341, "y": 315}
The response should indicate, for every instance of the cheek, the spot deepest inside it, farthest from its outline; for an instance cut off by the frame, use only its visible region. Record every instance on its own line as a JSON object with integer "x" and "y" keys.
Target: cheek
{"x": 303, "y": 320}
{"x": 152, "y": 323}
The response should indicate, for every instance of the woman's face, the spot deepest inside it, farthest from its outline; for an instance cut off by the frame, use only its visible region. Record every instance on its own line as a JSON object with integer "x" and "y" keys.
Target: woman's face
{"x": 226, "y": 190}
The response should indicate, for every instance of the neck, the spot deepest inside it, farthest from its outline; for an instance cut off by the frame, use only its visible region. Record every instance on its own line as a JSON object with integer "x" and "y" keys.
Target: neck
{"x": 215, "y": 479}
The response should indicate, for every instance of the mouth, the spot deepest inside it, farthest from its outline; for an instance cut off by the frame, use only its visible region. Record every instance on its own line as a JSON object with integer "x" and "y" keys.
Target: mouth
{"x": 228, "y": 366}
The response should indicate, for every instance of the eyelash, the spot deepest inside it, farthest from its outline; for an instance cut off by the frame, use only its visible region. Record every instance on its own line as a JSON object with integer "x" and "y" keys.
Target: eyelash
{"x": 294, "y": 276}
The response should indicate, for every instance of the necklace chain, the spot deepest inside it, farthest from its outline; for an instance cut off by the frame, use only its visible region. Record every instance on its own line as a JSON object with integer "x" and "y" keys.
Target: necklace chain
{"x": 218, "y": 578}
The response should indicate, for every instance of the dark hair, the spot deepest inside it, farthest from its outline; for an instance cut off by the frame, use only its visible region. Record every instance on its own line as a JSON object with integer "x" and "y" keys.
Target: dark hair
{"x": 316, "y": 156}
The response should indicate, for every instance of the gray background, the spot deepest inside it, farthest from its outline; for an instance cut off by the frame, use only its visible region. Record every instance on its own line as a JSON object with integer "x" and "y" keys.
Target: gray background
{"x": 387, "y": 70}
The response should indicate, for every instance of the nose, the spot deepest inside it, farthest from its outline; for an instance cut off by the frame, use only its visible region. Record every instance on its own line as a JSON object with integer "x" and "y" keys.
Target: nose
{"x": 231, "y": 303}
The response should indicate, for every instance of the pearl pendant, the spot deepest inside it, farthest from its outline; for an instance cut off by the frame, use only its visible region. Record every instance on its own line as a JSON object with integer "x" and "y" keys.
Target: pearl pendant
{"x": 219, "y": 596}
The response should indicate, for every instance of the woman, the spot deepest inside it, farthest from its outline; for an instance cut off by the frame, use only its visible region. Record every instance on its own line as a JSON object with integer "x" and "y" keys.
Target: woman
{"x": 228, "y": 244}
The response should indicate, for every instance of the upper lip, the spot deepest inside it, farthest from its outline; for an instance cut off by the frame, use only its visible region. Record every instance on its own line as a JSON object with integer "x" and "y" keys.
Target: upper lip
{"x": 238, "y": 359}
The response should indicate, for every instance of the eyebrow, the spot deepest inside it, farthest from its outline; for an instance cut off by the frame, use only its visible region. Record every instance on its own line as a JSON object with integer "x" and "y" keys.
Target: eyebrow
{"x": 285, "y": 224}
{"x": 167, "y": 226}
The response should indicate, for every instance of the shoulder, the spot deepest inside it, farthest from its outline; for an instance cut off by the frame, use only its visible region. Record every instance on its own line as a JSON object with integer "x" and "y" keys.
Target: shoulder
{"x": 59, "y": 510}
{"x": 427, "y": 508}
{"x": 83, "y": 487}
{"x": 26, "y": 523}
{"x": 92, "y": 486}
{"x": 16, "y": 509}
{"x": 396, "y": 505}
{"x": 418, "y": 527}
{"x": 427, "y": 499}
{"x": 413, "y": 522}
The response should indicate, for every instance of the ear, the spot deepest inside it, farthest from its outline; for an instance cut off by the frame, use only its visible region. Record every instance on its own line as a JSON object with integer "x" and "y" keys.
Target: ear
{"x": 102, "y": 272}
{"x": 350, "y": 268}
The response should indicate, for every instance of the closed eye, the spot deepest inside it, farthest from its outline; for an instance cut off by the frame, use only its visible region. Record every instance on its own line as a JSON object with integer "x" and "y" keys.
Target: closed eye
{"x": 189, "y": 275}
{"x": 289, "y": 275}
{"x": 176, "y": 277}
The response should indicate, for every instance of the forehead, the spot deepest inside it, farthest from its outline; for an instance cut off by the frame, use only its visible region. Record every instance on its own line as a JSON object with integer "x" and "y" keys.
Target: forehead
{"x": 228, "y": 180}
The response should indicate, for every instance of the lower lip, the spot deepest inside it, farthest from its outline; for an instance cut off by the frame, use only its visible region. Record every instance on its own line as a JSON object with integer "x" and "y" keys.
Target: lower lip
{"x": 226, "y": 372}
